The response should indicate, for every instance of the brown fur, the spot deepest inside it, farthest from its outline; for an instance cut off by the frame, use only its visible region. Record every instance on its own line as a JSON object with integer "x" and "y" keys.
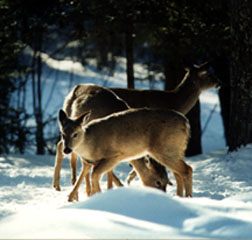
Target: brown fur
{"x": 181, "y": 99}
{"x": 101, "y": 102}
{"x": 127, "y": 135}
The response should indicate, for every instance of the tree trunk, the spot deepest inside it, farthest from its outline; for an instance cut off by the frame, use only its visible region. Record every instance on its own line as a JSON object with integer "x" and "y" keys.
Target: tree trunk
{"x": 194, "y": 145}
{"x": 37, "y": 97}
{"x": 39, "y": 114}
{"x": 241, "y": 75}
{"x": 129, "y": 45}
{"x": 173, "y": 71}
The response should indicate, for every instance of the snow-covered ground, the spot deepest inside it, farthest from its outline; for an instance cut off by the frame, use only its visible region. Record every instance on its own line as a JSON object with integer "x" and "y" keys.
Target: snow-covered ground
{"x": 221, "y": 206}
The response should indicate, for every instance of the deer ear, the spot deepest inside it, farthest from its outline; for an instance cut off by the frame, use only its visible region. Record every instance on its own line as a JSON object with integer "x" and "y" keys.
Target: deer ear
{"x": 62, "y": 117}
{"x": 147, "y": 162}
{"x": 83, "y": 118}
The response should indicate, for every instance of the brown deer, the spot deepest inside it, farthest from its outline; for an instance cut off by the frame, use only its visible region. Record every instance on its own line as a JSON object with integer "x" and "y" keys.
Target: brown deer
{"x": 130, "y": 134}
{"x": 181, "y": 99}
{"x": 102, "y": 102}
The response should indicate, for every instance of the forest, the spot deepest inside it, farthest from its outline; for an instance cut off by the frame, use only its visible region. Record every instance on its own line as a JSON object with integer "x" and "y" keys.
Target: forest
{"x": 48, "y": 47}
{"x": 165, "y": 36}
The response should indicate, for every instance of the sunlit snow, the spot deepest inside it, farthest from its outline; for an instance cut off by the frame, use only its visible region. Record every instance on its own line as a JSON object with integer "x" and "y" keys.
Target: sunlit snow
{"x": 221, "y": 206}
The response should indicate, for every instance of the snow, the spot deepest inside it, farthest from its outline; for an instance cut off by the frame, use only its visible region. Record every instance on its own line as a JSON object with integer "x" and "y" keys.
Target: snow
{"x": 211, "y": 119}
{"x": 221, "y": 206}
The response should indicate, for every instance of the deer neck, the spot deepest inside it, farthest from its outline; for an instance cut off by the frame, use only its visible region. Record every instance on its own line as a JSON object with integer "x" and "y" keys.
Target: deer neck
{"x": 186, "y": 97}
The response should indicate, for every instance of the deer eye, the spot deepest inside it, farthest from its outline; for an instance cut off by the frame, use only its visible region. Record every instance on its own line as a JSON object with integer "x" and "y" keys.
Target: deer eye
{"x": 75, "y": 135}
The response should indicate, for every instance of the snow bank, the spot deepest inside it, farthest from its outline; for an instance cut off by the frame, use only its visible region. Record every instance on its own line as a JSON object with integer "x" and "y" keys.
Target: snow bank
{"x": 221, "y": 206}
{"x": 135, "y": 213}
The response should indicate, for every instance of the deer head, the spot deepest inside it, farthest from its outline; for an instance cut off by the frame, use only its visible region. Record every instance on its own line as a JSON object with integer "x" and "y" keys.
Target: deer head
{"x": 201, "y": 77}
{"x": 71, "y": 130}
{"x": 158, "y": 170}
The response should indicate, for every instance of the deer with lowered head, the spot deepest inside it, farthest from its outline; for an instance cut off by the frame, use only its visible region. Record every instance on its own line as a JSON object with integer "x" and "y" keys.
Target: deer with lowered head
{"x": 127, "y": 135}
{"x": 182, "y": 99}
{"x": 101, "y": 102}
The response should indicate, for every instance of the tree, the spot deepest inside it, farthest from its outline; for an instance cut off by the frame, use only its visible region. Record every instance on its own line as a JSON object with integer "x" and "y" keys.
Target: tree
{"x": 129, "y": 49}
{"x": 36, "y": 91}
{"x": 168, "y": 35}
{"x": 241, "y": 75}
{"x": 12, "y": 114}
{"x": 109, "y": 27}
{"x": 36, "y": 21}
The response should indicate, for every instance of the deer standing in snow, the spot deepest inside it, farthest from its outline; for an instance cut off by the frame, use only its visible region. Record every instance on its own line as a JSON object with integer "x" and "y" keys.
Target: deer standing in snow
{"x": 102, "y": 102}
{"x": 182, "y": 99}
{"x": 127, "y": 135}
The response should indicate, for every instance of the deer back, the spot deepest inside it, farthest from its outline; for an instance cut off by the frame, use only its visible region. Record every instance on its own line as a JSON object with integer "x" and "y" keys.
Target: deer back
{"x": 86, "y": 97}
{"x": 101, "y": 102}
{"x": 134, "y": 132}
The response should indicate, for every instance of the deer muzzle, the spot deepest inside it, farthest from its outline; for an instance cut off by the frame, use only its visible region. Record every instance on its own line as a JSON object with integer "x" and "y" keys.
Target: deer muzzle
{"x": 67, "y": 150}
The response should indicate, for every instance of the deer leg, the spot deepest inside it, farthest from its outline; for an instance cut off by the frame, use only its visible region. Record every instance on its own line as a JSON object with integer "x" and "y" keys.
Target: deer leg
{"x": 105, "y": 165}
{"x": 181, "y": 171}
{"x": 85, "y": 169}
{"x": 88, "y": 186}
{"x": 73, "y": 165}
{"x": 131, "y": 176}
{"x": 185, "y": 172}
{"x": 116, "y": 180}
{"x": 109, "y": 179}
{"x": 58, "y": 164}
{"x": 180, "y": 184}
{"x": 188, "y": 181}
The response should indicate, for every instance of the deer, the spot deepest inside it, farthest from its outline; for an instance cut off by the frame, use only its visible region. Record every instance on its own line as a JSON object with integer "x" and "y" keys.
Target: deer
{"x": 100, "y": 102}
{"x": 127, "y": 135}
{"x": 182, "y": 99}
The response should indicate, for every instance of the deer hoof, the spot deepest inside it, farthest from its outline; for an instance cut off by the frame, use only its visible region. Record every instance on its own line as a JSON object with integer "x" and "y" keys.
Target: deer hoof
{"x": 57, "y": 187}
{"x": 73, "y": 197}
